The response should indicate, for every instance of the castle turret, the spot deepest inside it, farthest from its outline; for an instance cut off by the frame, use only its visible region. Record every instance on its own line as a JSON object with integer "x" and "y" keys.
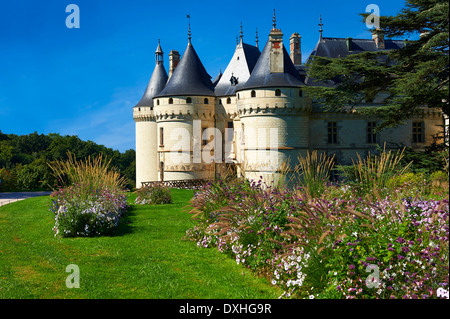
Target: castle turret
{"x": 183, "y": 110}
{"x": 274, "y": 113}
{"x": 143, "y": 115}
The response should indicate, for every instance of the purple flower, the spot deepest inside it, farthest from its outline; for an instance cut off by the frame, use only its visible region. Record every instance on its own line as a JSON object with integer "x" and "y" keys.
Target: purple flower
{"x": 351, "y": 266}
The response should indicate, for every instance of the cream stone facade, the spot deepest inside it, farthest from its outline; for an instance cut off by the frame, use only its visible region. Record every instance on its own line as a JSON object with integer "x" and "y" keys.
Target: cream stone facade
{"x": 256, "y": 116}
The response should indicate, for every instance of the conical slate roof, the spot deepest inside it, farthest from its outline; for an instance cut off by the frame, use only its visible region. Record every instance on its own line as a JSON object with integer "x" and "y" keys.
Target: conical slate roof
{"x": 155, "y": 85}
{"x": 189, "y": 77}
{"x": 262, "y": 77}
{"x": 240, "y": 67}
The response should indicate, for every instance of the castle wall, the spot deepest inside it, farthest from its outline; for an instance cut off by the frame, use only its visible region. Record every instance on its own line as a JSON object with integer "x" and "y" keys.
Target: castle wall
{"x": 352, "y": 135}
{"x": 180, "y": 126}
{"x": 275, "y": 129}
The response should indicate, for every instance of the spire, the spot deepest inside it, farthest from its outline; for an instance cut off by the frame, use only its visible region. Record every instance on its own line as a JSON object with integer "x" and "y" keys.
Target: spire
{"x": 257, "y": 38}
{"x": 320, "y": 25}
{"x": 159, "y": 54}
{"x": 189, "y": 32}
{"x": 241, "y": 34}
{"x": 274, "y": 20}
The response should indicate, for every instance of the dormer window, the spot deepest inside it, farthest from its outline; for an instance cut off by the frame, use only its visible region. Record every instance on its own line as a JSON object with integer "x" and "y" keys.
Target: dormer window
{"x": 234, "y": 80}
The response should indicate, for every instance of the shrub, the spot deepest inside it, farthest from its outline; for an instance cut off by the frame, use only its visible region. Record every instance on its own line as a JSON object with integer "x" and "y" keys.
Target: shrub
{"x": 153, "y": 195}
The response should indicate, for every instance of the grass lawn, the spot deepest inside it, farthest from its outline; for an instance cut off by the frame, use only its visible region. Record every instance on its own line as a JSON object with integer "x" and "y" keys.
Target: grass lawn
{"x": 146, "y": 258}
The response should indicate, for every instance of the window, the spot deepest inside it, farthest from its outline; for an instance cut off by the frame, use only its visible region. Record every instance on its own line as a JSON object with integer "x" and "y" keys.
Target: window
{"x": 204, "y": 140}
{"x": 188, "y": 100}
{"x": 205, "y": 101}
{"x": 220, "y": 101}
{"x": 230, "y": 124}
{"x": 253, "y": 93}
{"x": 371, "y": 136}
{"x": 332, "y": 133}
{"x": 157, "y": 102}
{"x": 161, "y": 136}
{"x": 300, "y": 93}
{"x": 277, "y": 92}
{"x": 170, "y": 101}
{"x": 229, "y": 100}
{"x": 418, "y": 132}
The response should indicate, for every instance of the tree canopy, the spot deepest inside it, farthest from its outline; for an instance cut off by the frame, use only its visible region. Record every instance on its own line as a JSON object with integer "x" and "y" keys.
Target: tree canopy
{"x": 24, "y": 158}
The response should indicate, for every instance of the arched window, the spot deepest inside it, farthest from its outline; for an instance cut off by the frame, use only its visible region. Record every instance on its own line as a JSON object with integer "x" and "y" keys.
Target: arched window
{"x": 277, "y": 92}
{"x": 253, "y": 93}
{"x": 205, "y": 101}
{"x": 188, "y": 100}
{"x": 157, "y": 102}
{"x": 220, "y": 101}
{"x": 170, "y": 101}
{"x": 229, "y": 100}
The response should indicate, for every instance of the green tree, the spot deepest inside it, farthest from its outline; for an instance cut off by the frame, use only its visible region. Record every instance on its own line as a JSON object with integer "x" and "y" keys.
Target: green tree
{"x": 409, "y": 78}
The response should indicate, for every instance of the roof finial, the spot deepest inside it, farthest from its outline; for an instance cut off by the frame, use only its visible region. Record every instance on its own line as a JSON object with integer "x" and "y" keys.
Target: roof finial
{"x": 320, "y": 25}
{"x": 257, "y": 38}
{"x": 189, "y": 32}
{"x": 241, "y": 33}
{"x": 274, "y": 20}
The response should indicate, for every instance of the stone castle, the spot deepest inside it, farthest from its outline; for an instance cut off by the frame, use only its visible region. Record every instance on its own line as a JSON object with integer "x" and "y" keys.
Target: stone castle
{"x": 255, "y": 115}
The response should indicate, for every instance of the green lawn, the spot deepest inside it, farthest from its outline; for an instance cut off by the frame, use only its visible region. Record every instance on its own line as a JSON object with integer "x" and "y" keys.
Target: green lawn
{"x": 146, "y": 258}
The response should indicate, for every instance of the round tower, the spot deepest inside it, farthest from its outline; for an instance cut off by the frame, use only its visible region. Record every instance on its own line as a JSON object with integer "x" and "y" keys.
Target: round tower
{"x": 146, "y": 127}
{"x": 184, "y": 113}
{"x": 274, "y": 114}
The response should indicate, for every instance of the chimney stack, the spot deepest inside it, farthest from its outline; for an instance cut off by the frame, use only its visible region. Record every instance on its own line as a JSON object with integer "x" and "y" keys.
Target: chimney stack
{"x": 174, "y": 58}
{"x": 296, "y": 51}
{"x": 378, "y": 37}
{"x": 349, "y": 42}
{"x": 276, "y": 59}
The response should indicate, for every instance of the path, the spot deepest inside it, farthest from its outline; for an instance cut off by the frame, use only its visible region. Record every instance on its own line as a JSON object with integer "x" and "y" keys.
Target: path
{"x": 6, "y": 198}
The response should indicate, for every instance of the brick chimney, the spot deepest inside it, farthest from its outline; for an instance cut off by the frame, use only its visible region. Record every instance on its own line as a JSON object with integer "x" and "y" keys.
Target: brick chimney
{"x": 295, "y": 49}
{"x": 378, "y": 37}
{"x": 174, "y": 58}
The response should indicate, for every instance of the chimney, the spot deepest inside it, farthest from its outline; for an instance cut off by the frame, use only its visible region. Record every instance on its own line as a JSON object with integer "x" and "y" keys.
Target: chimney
{"x": 378, "y": 37}
{"x": 174, "y": 58}
{"x": 349, "y": 42}
{"x": 276, "y": 59}
{"x": 296, "y": 51}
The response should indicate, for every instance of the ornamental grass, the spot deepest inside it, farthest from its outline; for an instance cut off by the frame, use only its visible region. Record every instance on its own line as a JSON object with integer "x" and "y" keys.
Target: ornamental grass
{"x": 90, "y": 200}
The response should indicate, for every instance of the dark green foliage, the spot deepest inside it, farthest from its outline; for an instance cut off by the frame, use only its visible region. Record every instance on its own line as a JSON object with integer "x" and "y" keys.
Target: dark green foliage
{"x": 24, "y": 158}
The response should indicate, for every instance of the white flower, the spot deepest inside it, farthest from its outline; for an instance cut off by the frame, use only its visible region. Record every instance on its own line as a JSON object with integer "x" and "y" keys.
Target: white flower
{"x": 274, "y": 282}
{"x": 311, "y": 297}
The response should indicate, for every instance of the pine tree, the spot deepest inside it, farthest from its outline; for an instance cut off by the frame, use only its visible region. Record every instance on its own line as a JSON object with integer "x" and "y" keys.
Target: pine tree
{"x": 408, "y": 79}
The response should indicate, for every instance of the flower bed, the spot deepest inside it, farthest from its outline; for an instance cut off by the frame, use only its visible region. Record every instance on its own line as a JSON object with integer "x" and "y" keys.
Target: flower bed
{"x": 153, "y": 195}
{"x": 82, "y": 212}
{"x": 340, "y": 247}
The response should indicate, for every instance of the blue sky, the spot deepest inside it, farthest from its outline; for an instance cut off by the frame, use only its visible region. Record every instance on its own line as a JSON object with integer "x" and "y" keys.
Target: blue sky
{"x": 86, "y": 81}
